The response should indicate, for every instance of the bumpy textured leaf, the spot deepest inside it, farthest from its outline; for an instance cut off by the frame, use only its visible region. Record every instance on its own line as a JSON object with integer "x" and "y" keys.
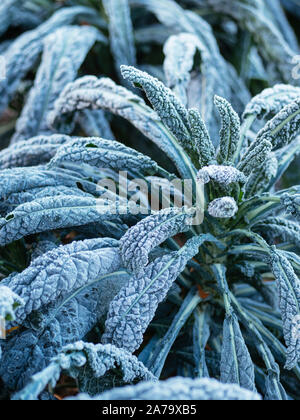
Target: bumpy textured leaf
{"x": 255, "y": 156}
{"x": 178, "y": 389}
{"x": 23, "y": 53}
{"x": 214, "y": 68}
{"x": 274, "y": 389}
{"x": 260, "y": 180}
{"x": 288, "y": 286}
{"x": 121, "y": 32}
{"x": 277, "y": 227}
{"x": 291, "y": 203}
{"x": 64, "y": 52}
{"x": 18, "y": 180}
{"x": 103, "y": 154}
{"x": 62, "y": 270}
{"x": 14, "y": 200}
{"x": 164, "y": 345}
{"x": 32, "y": 152}
{"x": 271, "y": 101}
{"x": 201, "y": 334}
{"x": 138, "y": 242}
{"x": 223, "y": 175}
{"x": 223, "y": 207}
{"x": 230, "y": 131}
{"x": 134, "y": 307}
{"x": 68, "y": 320}
{"x": 9, "y": 302}
{"x": 86, "y": 362}
{"x": 236, "y": 364}
{"x": 179, "y": 53}
{"x": 166, "y": 104}
{"x": 54, "y": 213}
{"x": 284, "y": 127}
{"x": 201, "y": 144}
{"x": 92, "y": 93}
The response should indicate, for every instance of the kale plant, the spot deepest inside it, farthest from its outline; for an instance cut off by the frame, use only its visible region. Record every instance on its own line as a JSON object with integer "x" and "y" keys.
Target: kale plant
{"x": 194, "y": 295}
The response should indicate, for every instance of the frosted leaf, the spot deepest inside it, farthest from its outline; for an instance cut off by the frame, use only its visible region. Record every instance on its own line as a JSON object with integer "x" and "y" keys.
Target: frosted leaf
{"x": 9, "y": 302}
{"x": 177, "y": 389}
{"x": 138, "y": 242}
{"x": 288, "y": 286}
{"x": 64, "y": 53}
{"x": 31, "y": 349}
{"x": 87, "y": 363}
{"x": 31, "y": 152}
{"x": 223, "y": 207}
{"x": 284, "y": 127}
{"x": 134, "y": 307}
{"x": 92, "y": 93}
{"x": 103, "y": 154}
{"x": 166, "y": 104}
{"x": 56, "y": 213}
{"x": 291, "y": 203}
{"x": 223, "y": 175}
{"x": 62, "y": 270}
{"x": 270, "y": 101}
{"x": 255, "y": 156}
{"x": 179, "y": 53}
{"x": 120, "y": 32}
{"x": 259, "y": 180}
{"x": 23, "y": 53}
{"x": 230, "y": 131}
{"x": 201, "y": 143}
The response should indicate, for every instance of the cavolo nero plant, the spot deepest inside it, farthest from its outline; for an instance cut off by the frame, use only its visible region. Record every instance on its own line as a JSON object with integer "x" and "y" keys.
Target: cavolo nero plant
{"x": 141, "y": 303}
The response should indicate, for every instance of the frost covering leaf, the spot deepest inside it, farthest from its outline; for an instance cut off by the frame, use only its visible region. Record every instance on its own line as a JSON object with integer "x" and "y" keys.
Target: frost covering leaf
{"x": 54, "y": 213}
{"x": 30, "y": 350}
{"x": 86, "y": 362}
{"x": 271, "y": 101}
{"x": 121, "y": 32}
{"x": 166, "y": 104}
{"x": 223, "y": 207}
{"x": 201, "y": 143}
{"x": 138, "y": 242}
{"x": 236, "y": 364}
{"x": 179, "y": 53}
{"x": 230, "y": 131}
{"x": 31, "y": 152}
{"x": 177, "y": 389}
{"x": 92, "y": 93}
{"x": 23, "y": 53}
{"x": 223, "y": 175}
{"x": 291, "y": 203}
{"x": 18, "y": 180}
{"x": 260, "y": 180}
{"x": 134, "y": 307}
{"x": 274, "y": 227}
{"x": 9, "y": 302}
{"x": 64, "y": 52}
{"x": 255, "y": 156}
{"x": 62, "y": 270}
{"x": 288, "y": 286}
{"x": 103, "y": 154}
{"x": 283, "y": 128}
